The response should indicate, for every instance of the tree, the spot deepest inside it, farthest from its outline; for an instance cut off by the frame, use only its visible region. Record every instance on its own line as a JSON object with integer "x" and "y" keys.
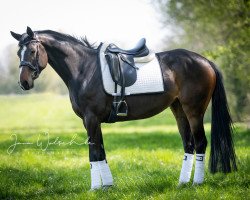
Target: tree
{"x": 220, "y": 30}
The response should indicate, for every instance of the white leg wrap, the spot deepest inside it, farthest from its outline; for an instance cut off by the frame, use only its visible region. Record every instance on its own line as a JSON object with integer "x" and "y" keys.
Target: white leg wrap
{"x": 186, "y": 169}
{"x": 95, "y": 176}
{"x": 100, "y": 174}
{"x": 199, "y": 169}
{"x": 106, "y": 175}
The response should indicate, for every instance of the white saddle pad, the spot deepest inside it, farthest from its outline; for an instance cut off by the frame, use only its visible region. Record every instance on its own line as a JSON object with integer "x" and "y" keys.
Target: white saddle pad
{"x": 149, "y": 77}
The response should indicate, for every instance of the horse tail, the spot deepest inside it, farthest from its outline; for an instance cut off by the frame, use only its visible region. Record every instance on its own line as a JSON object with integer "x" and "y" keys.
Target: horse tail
{"x": 222, "y": 156}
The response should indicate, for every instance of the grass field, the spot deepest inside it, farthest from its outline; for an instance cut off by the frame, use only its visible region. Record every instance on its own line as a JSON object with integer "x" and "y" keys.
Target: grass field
{"x": 50, "y": 158}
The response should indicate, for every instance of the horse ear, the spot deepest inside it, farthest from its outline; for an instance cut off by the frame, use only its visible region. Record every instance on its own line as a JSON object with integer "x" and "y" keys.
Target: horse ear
{"x": 16, "y": 35}
{"x": 30, "y": 32}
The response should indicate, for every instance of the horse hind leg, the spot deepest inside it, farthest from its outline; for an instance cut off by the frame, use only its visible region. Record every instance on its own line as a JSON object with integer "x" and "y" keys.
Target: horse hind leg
{"x": 188, "y": 142}
{"x": 195, "y": 119}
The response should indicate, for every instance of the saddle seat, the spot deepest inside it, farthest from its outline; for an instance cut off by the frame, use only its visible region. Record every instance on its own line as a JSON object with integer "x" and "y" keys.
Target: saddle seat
{"x": 140, "y": 49}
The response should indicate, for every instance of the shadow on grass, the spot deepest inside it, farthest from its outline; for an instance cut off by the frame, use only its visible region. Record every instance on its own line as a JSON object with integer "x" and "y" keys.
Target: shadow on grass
{"x": 144, "y": 183}
{"x": 29, "y": 183}
{"x": 144, "y": 141}
{"x": 46, "y": 183}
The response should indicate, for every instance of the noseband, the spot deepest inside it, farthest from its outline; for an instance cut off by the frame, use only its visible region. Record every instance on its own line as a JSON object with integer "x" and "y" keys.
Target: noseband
{"x": 35, "y": 68}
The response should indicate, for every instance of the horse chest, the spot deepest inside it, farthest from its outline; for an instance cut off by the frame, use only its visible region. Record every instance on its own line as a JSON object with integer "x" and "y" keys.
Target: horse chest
{"x": 76, "y": 105}
{"x": 81, "y": 102}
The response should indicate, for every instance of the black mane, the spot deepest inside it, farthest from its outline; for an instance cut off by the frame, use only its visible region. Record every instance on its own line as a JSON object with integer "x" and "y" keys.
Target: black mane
{"x": 61, "y": 36}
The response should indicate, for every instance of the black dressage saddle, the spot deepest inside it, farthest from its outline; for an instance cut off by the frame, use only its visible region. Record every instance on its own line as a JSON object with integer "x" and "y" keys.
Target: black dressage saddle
{"x": 124, "y": 73}
{"x": 139, "y": 50}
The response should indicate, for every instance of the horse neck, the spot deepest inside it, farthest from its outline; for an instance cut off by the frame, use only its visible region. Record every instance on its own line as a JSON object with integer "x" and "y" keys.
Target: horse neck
{"x": 69, "y": 60}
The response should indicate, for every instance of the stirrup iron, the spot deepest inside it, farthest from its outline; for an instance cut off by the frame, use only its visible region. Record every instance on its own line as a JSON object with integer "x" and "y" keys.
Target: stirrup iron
{"x": 122, "y": 109}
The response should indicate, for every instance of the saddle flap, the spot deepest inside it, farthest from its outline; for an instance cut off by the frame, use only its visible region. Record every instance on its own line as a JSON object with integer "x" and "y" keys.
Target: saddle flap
{"x": 122, "y": 69}
{"x": 113, "y": 63}
{"x": 128, "y": 70}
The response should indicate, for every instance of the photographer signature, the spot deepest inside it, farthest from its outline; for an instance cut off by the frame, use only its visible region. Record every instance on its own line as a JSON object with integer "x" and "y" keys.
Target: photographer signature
{"x": 43, "y": 145}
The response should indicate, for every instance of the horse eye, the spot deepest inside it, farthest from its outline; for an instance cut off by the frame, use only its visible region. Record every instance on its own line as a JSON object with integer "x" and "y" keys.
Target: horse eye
{"x": 35, "y": 73}
{"x": 33, "y": 51}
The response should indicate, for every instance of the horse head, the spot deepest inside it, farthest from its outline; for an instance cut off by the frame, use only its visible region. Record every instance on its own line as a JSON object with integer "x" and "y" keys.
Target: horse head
{"x": 33, "y": 58}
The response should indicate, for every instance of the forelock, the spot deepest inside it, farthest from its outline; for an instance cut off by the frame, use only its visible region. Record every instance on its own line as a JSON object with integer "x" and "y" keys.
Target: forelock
{"x": 24, "y": 39}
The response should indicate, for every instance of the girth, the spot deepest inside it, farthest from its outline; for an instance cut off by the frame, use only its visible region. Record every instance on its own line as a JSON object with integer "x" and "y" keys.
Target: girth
{"x": 124, "y": 73}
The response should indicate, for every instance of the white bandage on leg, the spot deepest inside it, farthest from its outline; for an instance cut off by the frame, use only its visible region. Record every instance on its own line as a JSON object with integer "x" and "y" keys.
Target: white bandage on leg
{"x": 107, "y": 179}
{"x": 199, "y": 169}
{"x": 186, "y": 169}
{"x": 95, "y": 176}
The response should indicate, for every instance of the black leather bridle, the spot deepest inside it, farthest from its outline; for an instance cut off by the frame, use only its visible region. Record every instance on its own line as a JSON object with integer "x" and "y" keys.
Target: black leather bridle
{"x": 35, "y": 68}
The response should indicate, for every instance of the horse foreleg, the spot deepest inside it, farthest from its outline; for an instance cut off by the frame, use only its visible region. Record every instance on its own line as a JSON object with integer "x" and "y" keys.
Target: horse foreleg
{"x": 100, "y": 172}
{"x": 188, "y": 142}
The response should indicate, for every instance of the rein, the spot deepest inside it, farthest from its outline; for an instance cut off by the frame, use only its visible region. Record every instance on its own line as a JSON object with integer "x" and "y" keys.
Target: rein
{"x": 35, "y": 67}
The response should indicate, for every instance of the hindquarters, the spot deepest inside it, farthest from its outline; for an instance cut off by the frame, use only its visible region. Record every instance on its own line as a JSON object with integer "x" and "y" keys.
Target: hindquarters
{"x": 194, "y": 78}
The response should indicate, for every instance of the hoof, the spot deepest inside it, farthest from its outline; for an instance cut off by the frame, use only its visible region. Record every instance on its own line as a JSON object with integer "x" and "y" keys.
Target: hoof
{"x": 95, "y": 189}
{"x": 182, "y": 184}
{"x": 107, "y": 187}
{"x": 197, "y": 184}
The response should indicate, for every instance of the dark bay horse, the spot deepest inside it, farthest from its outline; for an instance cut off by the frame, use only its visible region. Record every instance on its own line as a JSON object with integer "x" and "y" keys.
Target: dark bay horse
{"x": 190, "y": 82}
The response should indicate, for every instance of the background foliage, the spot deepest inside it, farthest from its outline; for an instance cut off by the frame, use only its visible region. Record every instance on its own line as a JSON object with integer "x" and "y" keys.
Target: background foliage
{"x": 219, "y": 30}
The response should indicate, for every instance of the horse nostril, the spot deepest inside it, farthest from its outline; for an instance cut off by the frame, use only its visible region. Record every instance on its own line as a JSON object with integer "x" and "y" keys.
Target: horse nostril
{"x": 25, "y": 85}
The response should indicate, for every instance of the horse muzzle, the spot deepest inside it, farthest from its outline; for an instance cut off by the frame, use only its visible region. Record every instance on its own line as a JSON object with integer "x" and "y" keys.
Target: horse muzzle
{"x": 26, "y": 81}
{"x": 25, "y": 85}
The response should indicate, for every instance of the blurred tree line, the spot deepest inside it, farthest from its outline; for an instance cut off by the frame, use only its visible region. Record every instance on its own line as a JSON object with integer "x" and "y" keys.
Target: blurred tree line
{"x": 220, "y": 31}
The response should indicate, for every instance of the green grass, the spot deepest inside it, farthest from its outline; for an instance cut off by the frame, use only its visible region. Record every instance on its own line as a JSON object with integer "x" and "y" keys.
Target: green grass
{"x": 145, "y": 156}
